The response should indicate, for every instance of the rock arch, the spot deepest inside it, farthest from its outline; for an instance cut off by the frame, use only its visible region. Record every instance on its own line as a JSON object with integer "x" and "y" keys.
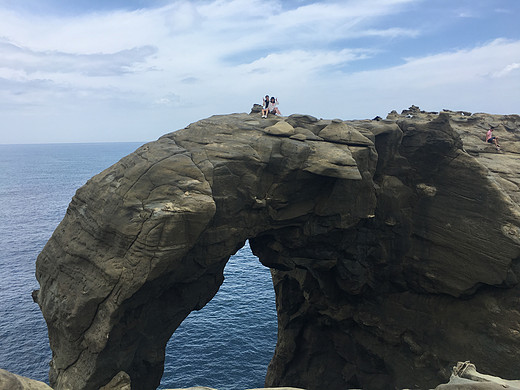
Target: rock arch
{"x": 375, "y": 230}
{"x": 230, "y": 342}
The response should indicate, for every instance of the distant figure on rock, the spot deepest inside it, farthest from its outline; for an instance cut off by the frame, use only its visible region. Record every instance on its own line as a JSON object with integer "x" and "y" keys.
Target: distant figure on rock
{"x": 492, "y": 139}
{"x": 273, "y": 109}
{"x": 265, "y": 106}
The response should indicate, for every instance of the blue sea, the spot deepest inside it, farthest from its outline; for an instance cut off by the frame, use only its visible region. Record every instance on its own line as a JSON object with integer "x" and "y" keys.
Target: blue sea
{"x": 227, "y": 345}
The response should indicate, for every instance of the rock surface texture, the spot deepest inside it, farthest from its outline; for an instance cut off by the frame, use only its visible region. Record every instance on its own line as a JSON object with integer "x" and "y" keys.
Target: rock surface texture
{"x": 466, "y": 377}
{"x": 10, "y": 381}
{"x": 394, "y": 247}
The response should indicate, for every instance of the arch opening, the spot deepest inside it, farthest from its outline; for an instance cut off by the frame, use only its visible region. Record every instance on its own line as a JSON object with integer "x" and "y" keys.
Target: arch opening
{"x": 229, "y": 343}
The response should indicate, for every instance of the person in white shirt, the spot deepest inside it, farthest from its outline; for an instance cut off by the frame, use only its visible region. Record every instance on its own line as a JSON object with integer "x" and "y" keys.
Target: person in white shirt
{"x": 273, "y": 107}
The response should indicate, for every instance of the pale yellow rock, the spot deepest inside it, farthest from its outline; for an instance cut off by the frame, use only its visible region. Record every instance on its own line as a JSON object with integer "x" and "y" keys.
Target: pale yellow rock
{"x": 281, "y": 128}
{"x": 10, "y": 381}
{"x": 299, "y": 137}
{"x": 466, "y": 377}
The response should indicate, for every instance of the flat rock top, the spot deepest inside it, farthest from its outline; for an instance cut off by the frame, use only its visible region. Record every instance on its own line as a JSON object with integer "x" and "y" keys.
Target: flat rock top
{"x": 503, "y": 165}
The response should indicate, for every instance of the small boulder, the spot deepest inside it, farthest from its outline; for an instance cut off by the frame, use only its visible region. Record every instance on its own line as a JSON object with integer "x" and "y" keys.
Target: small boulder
{"x": 281, "y": 128}
{"x": 256, "y": 109}
{"x": 10, "y": 381}
{"x": 340, "y": 132}
{"x": 327, "y": 159}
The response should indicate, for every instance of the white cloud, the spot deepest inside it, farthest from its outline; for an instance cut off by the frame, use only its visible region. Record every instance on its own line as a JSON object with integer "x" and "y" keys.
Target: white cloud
{"x": 391, "y": 32}
{"x": 56, "y": 62}
{"x": 300, "y": 61}
{"x": 466, "y": 14}
{"x": 508, "y": 69}
{"x": 464, "y": 79}
{"x": 164, "y": 67}
{"x": 474, "y": 64}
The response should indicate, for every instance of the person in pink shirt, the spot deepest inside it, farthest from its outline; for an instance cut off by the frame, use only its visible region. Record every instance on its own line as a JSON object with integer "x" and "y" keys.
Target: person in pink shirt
{"x": 492, "y": 139}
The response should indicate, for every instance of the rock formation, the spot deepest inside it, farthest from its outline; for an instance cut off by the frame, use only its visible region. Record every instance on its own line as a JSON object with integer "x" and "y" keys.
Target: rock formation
{"x": 394, "y": 246}
{"x": 10, "y": 381}
{"x": 466, "y": 377}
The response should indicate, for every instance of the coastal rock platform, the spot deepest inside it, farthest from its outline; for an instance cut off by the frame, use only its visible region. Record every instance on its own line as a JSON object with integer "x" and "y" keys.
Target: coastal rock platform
{"x": 10, "y": 381}
{"x": 394, "y": 246}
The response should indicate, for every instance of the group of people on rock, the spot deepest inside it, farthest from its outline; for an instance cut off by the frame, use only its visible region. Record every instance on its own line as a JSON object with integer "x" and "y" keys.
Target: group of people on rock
{"x": 270, "y": 106}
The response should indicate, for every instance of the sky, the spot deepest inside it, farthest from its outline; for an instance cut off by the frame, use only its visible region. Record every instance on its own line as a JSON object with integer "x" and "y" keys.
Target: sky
{"x": 133, "y": 70}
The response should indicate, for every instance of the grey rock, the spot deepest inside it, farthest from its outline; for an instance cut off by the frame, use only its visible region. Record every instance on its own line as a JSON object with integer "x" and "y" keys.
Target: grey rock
{"x": 466, "y": 377}
{"x": 394, "y": 250}
{"x": 10, "y": 381}
{"x": 119, "y": 382}
{"x": 344, "y": 133}
{"x": 281, "y": 128}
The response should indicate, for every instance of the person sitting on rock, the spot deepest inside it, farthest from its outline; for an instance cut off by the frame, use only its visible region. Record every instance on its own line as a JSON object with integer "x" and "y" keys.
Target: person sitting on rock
{"x": 265, "y": 106}
{"x": 492, "y": 139}
{"x": 273, "y": 109}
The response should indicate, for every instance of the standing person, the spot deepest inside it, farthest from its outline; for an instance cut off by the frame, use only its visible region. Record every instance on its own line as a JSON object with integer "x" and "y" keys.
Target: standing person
{"x": 265, "y": 106}
{"x": 492, "y": 139}
{"x": 273, "y": 109}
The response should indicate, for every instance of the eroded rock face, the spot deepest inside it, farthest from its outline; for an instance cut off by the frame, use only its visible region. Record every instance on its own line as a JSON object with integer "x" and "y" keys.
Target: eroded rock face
{"x": 394, "y": 245}
{"x": 10, "y": 381}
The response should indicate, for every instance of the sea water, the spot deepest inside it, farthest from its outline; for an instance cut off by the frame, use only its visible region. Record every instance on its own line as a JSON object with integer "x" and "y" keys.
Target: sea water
{"x": 227, "y": 345}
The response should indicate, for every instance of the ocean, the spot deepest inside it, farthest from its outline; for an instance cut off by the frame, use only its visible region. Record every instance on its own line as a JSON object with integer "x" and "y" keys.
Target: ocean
{"x": 227, "y": 345}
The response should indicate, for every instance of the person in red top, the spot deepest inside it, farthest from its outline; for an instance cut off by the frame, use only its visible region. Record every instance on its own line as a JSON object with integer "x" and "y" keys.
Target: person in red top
{"x": 492, "y": 139}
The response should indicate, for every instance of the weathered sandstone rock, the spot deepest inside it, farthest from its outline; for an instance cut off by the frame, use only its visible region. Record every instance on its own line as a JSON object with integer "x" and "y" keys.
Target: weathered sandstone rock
{"x": 466, "y": 377}
{"x": 10, "y": 381}
{"x": 394, "y": 247}
{"x": 121, "y": 381}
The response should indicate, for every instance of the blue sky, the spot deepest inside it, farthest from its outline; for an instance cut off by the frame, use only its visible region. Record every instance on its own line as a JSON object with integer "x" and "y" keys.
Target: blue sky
{"x": 97, "y": 71}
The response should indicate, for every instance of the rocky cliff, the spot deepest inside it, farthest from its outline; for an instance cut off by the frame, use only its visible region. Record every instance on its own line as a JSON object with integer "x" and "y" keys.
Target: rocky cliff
{"x": 394, "y": 247}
